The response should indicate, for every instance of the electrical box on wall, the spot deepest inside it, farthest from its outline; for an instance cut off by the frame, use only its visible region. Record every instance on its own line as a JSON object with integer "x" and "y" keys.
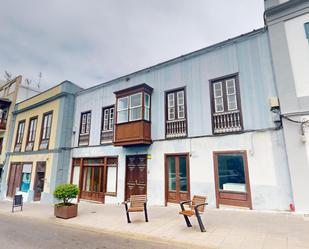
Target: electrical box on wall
{"x": 274, "y": 102}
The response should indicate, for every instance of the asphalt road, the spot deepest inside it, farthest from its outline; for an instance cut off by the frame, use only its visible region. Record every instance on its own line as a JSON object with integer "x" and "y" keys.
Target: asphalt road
{"x": 19, "y": 232}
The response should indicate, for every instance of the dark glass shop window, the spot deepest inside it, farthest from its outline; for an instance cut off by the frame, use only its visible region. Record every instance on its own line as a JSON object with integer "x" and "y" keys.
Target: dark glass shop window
{"x": 231, "y": 173}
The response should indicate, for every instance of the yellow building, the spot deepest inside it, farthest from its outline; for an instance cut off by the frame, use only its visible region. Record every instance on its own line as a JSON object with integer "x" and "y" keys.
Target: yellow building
{"x": 40, "y": 140}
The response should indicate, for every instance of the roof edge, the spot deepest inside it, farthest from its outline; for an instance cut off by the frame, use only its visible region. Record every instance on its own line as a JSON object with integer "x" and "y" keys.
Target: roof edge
{"x": 179, "y": 58}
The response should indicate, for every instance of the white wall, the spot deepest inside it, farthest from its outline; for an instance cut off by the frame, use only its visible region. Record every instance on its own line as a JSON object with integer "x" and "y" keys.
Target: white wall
{"x": 299, "y": 53}
{"x": 268, "y": 170}
{"x": 25, "y": 92}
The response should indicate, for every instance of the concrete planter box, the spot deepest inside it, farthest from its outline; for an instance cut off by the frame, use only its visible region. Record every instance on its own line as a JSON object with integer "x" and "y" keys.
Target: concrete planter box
{"x": 65, "y": 212}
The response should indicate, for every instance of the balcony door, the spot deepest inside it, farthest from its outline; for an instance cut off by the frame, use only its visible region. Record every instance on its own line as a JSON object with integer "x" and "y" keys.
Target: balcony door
{"x": 136, "y": 175}
{"x": 177, "y": 180}
{"x": 232, "y": 179}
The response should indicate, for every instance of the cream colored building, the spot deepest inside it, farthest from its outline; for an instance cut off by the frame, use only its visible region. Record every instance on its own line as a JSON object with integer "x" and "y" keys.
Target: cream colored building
{"x": 40, "y": 137}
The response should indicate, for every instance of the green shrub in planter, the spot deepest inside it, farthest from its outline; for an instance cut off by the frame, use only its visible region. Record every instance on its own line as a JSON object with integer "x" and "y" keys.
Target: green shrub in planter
{"x": 65, "y": 193}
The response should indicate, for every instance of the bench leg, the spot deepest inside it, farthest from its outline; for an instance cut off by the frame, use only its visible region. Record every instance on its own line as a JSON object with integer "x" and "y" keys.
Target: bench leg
{"x": 187, "y": 221}
{"x": 145, "y": 211}
{"x": 128, "y": 216}
{"x": 200, "y": 222}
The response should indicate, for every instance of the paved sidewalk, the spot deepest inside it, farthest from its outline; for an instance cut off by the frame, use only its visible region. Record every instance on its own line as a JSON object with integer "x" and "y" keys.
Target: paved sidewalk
{"x": 226, "y": 229}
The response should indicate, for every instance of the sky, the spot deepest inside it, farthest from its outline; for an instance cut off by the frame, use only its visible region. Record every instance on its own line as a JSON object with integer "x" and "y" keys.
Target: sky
{"x": 90, "y": 42}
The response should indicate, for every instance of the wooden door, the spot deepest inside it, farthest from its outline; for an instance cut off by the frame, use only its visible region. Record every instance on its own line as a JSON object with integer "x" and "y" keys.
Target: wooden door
{"x": 39, "y": 180}
{"x": 93, "y": 183}
{"x": 136, "y": 175}
{"x": 177, "y": 178}
{"x": 14, "y": 179}
{"x": 232, "y": 179}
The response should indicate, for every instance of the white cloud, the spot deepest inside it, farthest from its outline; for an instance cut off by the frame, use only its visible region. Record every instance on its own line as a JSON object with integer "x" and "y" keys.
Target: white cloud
{"x": 89, "y": 42}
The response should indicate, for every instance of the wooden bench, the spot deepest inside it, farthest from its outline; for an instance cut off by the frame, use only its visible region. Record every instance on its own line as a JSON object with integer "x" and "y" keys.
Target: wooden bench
{"x": 138, "y": 203}
{"x": 197, "y": 206}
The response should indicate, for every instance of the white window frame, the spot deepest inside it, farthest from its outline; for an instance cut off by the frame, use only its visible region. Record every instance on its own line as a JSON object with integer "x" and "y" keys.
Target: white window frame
{"x": 171, "y": 106}
{"x": 136, "y": 107}
{"x": 231, "y": 94}
{"x": 181, "y": 105}
{"x": 32, "y": 129}
{"x": 218, "y": 97}
{"x": 105, "y": 119}
{"x": 147, "y": 108}
{"x": 111, "y": 118}
{"x": 20, "y": 132}
{"x": 123, "y": 109}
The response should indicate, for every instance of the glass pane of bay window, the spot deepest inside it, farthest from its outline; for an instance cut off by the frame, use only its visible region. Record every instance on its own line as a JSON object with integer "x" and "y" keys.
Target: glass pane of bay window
{"x": 147, "y": 100}
{"x": 136, "y": 107}
{"x": 147, "y": 107}
{"x": 122, "y": 113}
{"x": 135, "y": 113}
{"x": 122, "y": 103}
{"x": 146, "y": 114}
{"x": 136, "y": 100}
{"x": 122, "y": 116}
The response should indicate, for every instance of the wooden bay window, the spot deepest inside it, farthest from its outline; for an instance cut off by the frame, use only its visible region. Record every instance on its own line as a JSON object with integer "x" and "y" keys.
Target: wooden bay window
{"x": 133, "y": 114}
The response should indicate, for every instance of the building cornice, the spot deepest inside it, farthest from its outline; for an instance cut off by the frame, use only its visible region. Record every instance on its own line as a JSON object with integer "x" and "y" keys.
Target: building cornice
{"x": 284, "y": 7}
{"x": 43, "y": 102}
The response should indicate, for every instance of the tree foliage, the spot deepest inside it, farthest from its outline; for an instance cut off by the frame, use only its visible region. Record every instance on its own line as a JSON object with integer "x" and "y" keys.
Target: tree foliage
{"x": 66, "y": 193}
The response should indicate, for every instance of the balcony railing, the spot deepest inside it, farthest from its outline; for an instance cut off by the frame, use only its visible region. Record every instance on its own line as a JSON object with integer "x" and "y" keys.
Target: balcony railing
{"x": 176, "y": 128}
{"x": 3, "y": 123}
{"x": 107, "y": 136}
{"x": 83, "y": 139}
{"x": 225, "y": 122}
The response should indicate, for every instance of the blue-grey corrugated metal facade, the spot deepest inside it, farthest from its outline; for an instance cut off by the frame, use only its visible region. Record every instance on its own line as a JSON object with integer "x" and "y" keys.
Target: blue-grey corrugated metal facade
{"x": 247, "y": 55}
